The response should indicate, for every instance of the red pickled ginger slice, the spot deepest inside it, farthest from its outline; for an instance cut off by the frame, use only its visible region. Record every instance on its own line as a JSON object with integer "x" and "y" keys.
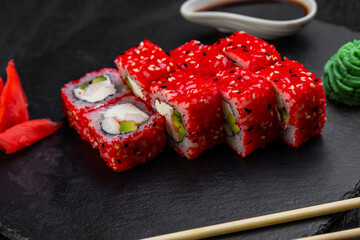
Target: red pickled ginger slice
{"x": 1, "y": 85}
{"x": 13, "y": 103}
{"x": 26, "y": 133}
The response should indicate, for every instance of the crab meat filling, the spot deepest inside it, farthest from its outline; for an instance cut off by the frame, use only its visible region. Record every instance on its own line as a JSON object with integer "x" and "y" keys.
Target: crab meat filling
{"x": 123, "y": 118}
{"x": 136, "y": 89}
{"x": 174, "y": 125}
{"x": 96, "y": 90}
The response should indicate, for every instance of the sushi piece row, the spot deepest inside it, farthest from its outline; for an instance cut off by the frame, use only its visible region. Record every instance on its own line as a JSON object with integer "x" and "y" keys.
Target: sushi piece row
{"x": 238, "y": 90}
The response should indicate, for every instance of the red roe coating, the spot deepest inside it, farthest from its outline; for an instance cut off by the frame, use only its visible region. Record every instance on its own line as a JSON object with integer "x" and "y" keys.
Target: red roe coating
{"x": 124, "y": 151}
{"x": 200, "y": 106}
{"x": 74, "y": 108}
{"x": 145, "y": 63}
{"x": 13, "y": 103}
{"x": 248, "y": 51}
{"x": 253, "y": 103}
{"x": 26, "y": 133}
{"x": 200, "y": 59}
{"x": 303, "y": 96}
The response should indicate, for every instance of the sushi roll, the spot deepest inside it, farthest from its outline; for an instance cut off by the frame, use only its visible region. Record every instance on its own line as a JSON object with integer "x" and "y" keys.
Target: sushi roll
{"x": 248, "y": 51}
{"x": 192, "y": 110}
{"x": 249, "y": 109}
{"x": 127, "y": 133}
{"x": 300, "y": 99}
{"x": 90, "y": 92}
{"x": 143, "y": 64}
{"x": 200, "y": 59}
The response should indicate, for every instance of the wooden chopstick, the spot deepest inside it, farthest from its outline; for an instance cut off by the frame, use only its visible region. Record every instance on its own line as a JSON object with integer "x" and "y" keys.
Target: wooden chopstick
{"x": 345, "y": 234}
{"x": 262, "y": 221}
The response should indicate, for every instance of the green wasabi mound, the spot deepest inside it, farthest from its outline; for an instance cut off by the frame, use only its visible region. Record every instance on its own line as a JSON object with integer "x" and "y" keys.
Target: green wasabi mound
{"x": 341, "y": 76}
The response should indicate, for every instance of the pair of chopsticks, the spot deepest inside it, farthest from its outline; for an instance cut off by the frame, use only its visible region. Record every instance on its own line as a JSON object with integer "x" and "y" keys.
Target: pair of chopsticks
{"x": 273, "y": 219}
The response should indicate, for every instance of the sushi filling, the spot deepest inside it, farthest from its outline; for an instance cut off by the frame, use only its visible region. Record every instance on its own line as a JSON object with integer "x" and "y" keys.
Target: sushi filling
{"x": 123, "y": 118}
{"x": 231, "y": 128}
{"x": 174, "y": 125}
{"x": 96, "y": 90}
{"x": 136, "y": 89}
{"x": 284, "y": 119}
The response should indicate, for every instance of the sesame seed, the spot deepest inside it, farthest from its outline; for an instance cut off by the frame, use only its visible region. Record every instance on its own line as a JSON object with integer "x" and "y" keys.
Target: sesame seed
{"x": 232, "y": 71}
{"x": 204, "y": 53}
{"x": 312, "y": 85}
{"x": 262, "y": 137}
{"x": 232, "y": 82}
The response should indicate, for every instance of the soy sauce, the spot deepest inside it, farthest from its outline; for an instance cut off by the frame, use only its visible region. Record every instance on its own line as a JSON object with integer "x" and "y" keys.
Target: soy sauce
{"x": 268, "y": 9}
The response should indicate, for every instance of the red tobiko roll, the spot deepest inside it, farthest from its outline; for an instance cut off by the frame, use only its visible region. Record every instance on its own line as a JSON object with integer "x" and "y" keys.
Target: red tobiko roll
{"x": 200, "y": 59}
{"x": 248, "y": 51}
{"x": 26, "y": 133}
{"x": 127, "y": 133}
{"x": 301, "y": 100}
{"x": 192, "y": 110}
{"x": 143, "y": 64}
{"x": 90, "y": 92}
{"x": 13, "y": 103}
{"x": 249, "y": 109}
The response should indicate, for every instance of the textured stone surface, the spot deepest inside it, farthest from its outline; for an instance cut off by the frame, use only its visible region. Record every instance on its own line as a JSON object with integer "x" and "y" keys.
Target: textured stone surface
{"x": 59, "y": 188}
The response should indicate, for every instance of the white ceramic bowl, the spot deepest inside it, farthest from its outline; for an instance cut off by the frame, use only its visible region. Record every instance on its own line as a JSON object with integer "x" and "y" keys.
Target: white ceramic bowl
{"x": 232, "y": 22}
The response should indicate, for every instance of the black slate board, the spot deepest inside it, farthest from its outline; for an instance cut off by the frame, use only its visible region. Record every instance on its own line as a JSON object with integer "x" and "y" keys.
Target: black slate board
{"x": 59, "y": 188}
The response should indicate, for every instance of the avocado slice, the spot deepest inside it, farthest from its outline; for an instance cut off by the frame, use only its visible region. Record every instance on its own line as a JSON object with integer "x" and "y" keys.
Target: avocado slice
{"x": 284, "y": 116}
{"x": 127, "y": 126}
{"x": 127, "y": 81}
{"x": 85, "y": 85}
{"x": 99, "y": 79}
{"x": 178, "y": 125}
{"x": 230, "y": 120}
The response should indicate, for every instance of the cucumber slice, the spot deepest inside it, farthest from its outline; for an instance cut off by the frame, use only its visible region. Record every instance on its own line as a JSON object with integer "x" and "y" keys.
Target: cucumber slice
{"x": 127, "y": 82}
{"x": 85, "y": 85}
{"x": 99, "y": 79}
{"x": 127, "y": 126}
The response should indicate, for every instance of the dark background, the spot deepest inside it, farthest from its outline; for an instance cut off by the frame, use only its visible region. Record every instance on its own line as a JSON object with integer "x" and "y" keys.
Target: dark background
{"x": 59, "y": 188}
